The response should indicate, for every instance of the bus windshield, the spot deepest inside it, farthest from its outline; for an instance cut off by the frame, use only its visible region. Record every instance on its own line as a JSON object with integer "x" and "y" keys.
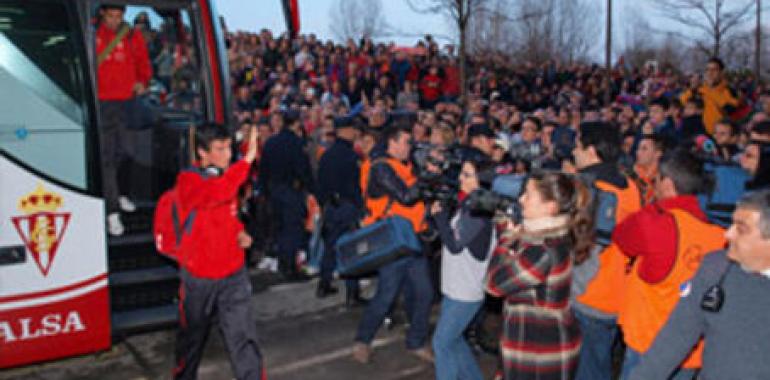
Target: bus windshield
{"x": 44, "y": 114}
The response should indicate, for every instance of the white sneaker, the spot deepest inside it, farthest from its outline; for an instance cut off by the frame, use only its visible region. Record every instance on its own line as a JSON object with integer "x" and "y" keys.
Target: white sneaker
{"x": 269, "y": 264}
{"x": 126, "y": 204}
{"x": 264, "y": 264}
{"x": 114, "y": 225}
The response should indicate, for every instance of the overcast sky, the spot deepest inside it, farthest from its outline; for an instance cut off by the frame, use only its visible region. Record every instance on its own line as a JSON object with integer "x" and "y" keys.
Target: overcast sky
{"x": 314, "y": 17}
{"x": 254, "y": 15}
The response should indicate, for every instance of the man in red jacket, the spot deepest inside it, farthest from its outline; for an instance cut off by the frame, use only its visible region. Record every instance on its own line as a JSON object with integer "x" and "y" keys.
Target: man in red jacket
{"x": 123, "y": 72}
{"x": 213, "y": 277}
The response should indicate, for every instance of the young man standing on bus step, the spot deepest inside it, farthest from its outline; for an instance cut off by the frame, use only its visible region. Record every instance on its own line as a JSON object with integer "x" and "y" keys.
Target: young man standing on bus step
{"x": 123, "y": 72}
{"x": 214, "y": 281}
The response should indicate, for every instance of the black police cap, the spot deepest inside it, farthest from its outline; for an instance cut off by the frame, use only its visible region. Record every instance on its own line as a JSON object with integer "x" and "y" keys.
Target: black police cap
{"x": 290, "y": 116}
{"x": 347, "y": 122}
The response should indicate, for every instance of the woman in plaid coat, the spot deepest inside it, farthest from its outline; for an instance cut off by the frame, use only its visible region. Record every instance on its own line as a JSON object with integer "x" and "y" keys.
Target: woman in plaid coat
{"x": 532, "y": 270}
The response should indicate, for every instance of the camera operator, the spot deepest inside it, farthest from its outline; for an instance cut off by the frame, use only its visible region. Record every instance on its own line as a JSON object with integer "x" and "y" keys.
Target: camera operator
{"x": 393, "y": 189}
{"x": 466, "y": 241}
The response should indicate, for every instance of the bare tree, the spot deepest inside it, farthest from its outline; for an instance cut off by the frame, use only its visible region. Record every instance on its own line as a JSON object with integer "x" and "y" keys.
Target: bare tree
{"x": 560, "y": 29}
{"x": 354, "y": 19}
{"x": 642, "y": 44}
{"x": 491, "y": 31}
{"x": 715, "y": 18}
{"x": 539, "y": 30}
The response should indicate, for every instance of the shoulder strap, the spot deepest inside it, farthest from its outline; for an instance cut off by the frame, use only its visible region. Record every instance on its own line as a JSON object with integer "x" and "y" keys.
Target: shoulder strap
{"x": 184, "y": 226}
{"x": 124, "y": 29}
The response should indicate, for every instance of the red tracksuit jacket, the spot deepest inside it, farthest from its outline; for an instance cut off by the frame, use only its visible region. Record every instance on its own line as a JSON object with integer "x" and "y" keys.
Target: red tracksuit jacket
{"x": 126, "y": 65}
{"x": 211, "y": 249}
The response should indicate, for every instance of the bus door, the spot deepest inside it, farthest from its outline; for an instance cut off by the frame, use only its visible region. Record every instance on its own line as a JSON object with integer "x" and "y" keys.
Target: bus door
{"x": 188, "y": 87}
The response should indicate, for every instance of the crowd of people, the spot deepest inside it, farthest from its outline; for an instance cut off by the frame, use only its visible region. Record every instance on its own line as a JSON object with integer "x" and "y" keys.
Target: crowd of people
{"x": 622, "y": 200}
{"x": 639, "y": 223}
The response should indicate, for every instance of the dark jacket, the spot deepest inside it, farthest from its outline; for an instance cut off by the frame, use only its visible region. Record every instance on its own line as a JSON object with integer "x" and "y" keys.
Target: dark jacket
{"x": 339, "y": 175}
{"x": 285, "y": 163}
{"x": 473, "y": 232}
{"x": 383, "y": 181}
{"x": 607, "y": 172}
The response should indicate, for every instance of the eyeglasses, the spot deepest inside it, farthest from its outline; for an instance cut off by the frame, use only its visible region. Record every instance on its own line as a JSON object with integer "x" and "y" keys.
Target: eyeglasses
{"x": 467, "y": 175}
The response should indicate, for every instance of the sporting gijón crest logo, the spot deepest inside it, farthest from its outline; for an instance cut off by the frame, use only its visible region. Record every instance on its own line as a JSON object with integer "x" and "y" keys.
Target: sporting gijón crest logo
{"x": 41, "y": 228}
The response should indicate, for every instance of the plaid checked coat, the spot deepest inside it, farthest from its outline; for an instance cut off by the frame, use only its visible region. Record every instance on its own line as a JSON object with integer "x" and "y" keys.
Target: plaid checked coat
{"x": 532, "y": 272}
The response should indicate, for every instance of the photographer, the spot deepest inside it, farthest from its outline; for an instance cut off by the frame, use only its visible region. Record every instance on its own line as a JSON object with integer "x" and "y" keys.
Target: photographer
{"x": 466, "y": 240}
{"x": 393, "y": 189}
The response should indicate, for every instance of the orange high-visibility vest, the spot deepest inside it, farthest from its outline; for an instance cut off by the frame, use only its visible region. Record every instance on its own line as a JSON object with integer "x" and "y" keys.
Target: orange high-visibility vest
{"x": 364, "y": 174}
{"x": 313, "y": 212}
{"x": 377, "y": 206}
{"x": 648, "y": 306}
{"x": 605, "y": 291}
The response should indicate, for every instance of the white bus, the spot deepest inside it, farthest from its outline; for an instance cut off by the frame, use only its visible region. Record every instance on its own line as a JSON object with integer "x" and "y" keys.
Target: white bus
{"x": 66, "y": 287}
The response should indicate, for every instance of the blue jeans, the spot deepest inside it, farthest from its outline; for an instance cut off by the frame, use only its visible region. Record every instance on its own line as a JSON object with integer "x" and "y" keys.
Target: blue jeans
{"x": 454, "y": 359}
{"x": 392, "y": 277}
{"x": 633, "y": 358}
{"x": 596, "y": 352}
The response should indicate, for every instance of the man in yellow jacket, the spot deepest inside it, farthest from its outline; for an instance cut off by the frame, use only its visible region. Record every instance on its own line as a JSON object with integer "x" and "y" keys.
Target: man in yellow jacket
{"x": 716, "y": 95}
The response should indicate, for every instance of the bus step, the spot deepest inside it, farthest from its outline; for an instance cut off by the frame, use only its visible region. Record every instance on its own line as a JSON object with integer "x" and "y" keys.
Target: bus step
{"x": 144, "y": 295}
{"x": 127, "y": 322}
{"x": 143, "y": 276}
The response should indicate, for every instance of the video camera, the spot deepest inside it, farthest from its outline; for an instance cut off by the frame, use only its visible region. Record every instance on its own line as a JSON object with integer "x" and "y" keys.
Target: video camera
{"x": 503, "y": 197}
{"x": 488, "y": 202}
{"x": 441, "y": 185}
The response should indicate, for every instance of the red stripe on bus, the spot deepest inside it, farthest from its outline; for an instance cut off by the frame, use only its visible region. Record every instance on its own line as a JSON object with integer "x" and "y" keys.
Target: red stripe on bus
{"x": 54, "y": 291}
{"x": 211, "y": 47}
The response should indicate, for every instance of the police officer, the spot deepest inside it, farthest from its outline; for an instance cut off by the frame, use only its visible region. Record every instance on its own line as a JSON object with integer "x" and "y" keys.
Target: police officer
{"x": 286, "y": 176}
{"x": 340, "y": 196}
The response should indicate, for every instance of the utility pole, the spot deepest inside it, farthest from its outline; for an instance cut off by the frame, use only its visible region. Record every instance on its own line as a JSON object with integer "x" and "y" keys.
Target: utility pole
{"x": 608, "y": 56}
{"x": 758, "y": 42}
